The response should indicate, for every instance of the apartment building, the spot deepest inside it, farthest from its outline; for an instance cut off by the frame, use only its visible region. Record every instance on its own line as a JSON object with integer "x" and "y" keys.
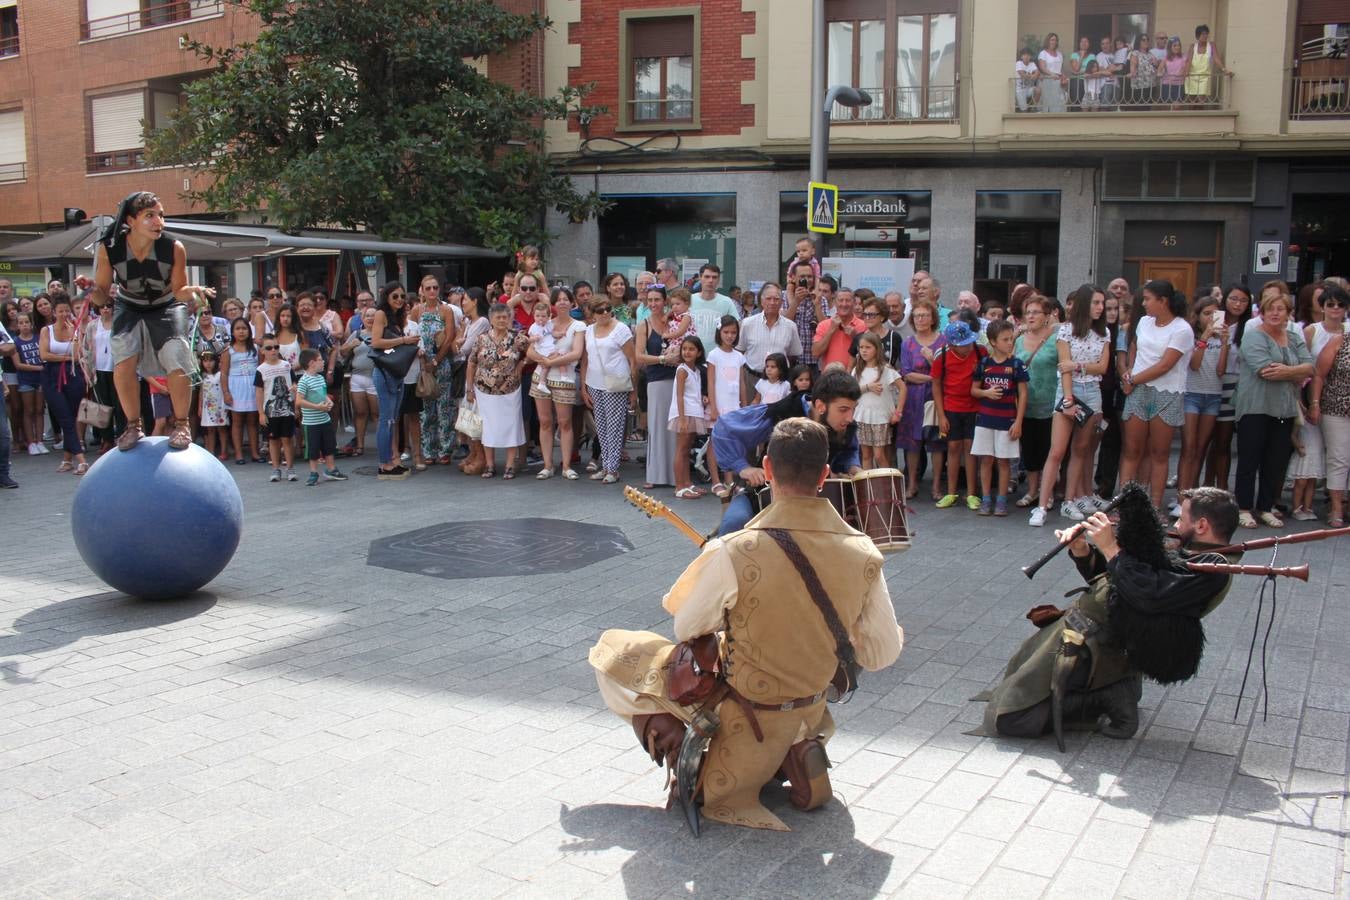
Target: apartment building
{"x": 704, "y": 148}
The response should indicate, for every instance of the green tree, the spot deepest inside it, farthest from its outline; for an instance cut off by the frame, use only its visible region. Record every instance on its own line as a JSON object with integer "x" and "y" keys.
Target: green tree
{"x": 366, "y": 113}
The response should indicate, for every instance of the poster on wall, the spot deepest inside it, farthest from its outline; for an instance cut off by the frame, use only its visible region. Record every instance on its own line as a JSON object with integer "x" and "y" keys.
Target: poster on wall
{"x": 689, "y": 270}
{"x": 877, "y": 275}
{"x": 1267, "y": 258}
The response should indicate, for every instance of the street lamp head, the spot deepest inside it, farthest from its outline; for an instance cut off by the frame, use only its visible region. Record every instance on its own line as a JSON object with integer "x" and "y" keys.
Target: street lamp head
{"x": 846, "y": 95}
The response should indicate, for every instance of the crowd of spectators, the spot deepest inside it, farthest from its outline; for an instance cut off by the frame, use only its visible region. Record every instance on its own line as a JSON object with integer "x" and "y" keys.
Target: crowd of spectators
{"x": 1121, "y": 72}
{"x": 1058, "y": 402}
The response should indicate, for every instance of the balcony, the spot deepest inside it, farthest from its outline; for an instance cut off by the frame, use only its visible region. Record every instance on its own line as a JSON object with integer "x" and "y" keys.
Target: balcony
{"x": 12, "y": 172}
{"x": 154, "y": 15}
{"x": 1320, "y": 98}
{"x": 115, "y": 161}
{"x": 1122, "y": 97}
{"x": 902, "y": 104}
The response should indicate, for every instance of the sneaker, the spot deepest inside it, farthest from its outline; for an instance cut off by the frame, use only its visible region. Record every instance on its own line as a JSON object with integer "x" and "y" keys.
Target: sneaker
{"x": 1069, "y": 510}
{"x": 1303, "y": 514}
{"x": 333, "y": 475}
{"x": 985, "y": 507}
{"x": 276, "y": 476}
{"x": 312, "y": 480}
{"x": 8, "y": 483}
{"x": 1097, "y": 503}
{"x": 1001, "y": 507}
{"x": 1037, "y": 519}
{"x": 1174, "y": 510}
{"x": 947, "y": 502}
{"x": 405, "y": 457}
{"x": 1085, "y": 506}
{"x": 1171, "y": 481}
{"x": 533, "y": 458}
{"x": 397, "y": 473}
{"x": 43, "y": 448}
{"x": 291, "y": 476}
{"x": 34, "y": 450}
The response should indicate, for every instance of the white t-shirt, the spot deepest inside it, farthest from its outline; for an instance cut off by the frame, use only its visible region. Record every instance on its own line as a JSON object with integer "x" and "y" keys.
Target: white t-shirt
{"x": 873, "y": 408}
{"x": 605, "y": 356}
{"x": 1104, "y": 63}
{"x": 1025, "y": 70}
{"x": 546, "y": 345}
{"x": 1053, "y": 64}
{"x": 772, "y": 391}
{"x": 1152, "y": 341}
{"x": 103, "y": 358}
{"x": 277, "y": 401}
{"x": 728, "y": 384}
{"x": 413, "y": 328}
{"x": 707, "y": 316}
{"x": 568, "y": 372}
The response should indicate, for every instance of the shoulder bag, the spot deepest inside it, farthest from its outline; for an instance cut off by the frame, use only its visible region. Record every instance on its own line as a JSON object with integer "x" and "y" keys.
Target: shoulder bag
{"x": 394, "y": 361}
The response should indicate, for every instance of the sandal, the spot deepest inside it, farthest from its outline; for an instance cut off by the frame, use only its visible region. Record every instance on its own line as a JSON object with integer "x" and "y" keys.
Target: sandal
{"x": 720, "y": 490}
{"x": 1246, "y": 519}
{"x": 688, "y": 493}
{"x": 592, "y": 466}
{"x": 1271, "y": 520}
{"x": 181, "y": 436}
{"x": 488, "y": 473}
{"x": 544, "y": 475}
{"x": 610, "y": 478}
{"x": 66, "y": 466}
{"x": 509, "y": 473}
{"x": 81, "y": 468}
{"x": 130, "y": 435}
{"x": 570, "y": 474}
{"x": 1335, "y": 522}
{"x": 1025, "y": 500}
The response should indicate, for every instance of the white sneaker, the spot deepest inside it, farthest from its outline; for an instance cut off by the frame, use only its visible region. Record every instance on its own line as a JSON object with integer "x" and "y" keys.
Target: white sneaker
{"x": 43, "y": 448}
{"x": 1069, "y": 510}
{"x": 34, "y": 450}
{"x": 276, "y": 476}
{"x": 1097, "y": 503}
{"x": 1174, "y": 510}
{"x": 1037, "y": 519}
{"x": 1171, "y": 481}
{"x": 290, "y": 475}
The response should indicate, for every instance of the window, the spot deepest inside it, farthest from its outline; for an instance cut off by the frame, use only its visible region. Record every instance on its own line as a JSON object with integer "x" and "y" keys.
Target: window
{"x": 902, "y": 52}
{"x": 659, "y": 87}
{"x": 1123, "y": 19}
{"x": 9, "y": 27}
{"x": 1173, "y": 179}
{"x": 648, "y": 227}
{"x": 13, "y": 146}
{"x": 1321, "y": 87}
{"x": 118, "y": 124}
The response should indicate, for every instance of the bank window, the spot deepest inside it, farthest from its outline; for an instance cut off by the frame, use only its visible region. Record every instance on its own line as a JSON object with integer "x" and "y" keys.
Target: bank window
{"x": 639, "y": 229}
{"x": 661, "y": 76}
{"x": 902, "y": 52}
{"x": 13, "y": 146}
{"x": 9, "y": 27}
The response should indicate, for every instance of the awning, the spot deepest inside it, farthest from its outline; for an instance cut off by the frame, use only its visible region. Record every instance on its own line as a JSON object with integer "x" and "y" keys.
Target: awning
{"x": 207, "y": 241}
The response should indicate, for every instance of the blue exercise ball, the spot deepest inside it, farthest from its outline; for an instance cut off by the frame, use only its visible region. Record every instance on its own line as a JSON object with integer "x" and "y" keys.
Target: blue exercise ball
{"x": 157, "y": 523}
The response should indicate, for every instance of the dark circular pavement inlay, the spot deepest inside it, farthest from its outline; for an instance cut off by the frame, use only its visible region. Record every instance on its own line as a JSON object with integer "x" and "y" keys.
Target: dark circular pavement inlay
{"x": 494, "y": 547}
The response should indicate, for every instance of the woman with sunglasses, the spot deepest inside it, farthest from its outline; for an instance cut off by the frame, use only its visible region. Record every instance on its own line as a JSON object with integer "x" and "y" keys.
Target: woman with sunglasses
{"x": 1310, "y": 463}
{"x": 1329, "y": 404}
{"x": 607, "y": 384}
{"x": 387, "y": 325}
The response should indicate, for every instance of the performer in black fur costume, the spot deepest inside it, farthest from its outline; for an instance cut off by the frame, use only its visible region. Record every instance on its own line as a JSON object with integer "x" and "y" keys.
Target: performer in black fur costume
{"x": 1139, "y": 615}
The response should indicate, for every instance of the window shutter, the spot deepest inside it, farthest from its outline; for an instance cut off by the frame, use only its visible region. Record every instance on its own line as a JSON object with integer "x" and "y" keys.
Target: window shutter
{"x": 1323, "y": 12}
{"x": 670, "y": 36}
{"x": 13, "y": 146}
{"x": 102, "y": 9}
{"x": 116, "y": 122}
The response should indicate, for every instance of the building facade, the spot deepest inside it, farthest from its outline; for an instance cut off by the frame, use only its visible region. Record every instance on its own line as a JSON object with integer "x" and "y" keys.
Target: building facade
{"x": 982, "y": 178}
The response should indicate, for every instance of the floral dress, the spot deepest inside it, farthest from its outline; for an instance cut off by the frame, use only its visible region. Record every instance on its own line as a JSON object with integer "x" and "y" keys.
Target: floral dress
{"x": 498, "y": 361}
{"x": 438, "y": 420}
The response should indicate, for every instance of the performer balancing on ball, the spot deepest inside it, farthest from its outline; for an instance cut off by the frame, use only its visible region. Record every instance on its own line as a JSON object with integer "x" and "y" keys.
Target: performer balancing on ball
{"x": 151, "y": 320}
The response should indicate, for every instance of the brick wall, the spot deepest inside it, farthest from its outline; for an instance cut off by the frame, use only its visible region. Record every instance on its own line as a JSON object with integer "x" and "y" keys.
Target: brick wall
{"x": 718, "y": 46}
{"x": 50, "y": 77}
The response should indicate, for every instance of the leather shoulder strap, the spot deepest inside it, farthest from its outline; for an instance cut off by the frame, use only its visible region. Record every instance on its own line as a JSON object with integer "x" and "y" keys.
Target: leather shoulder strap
{"x": 843, "y": 647}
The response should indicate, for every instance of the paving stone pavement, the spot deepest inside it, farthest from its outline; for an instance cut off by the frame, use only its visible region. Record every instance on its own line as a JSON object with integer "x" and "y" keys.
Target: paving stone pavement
{"x": 313, "y": 725}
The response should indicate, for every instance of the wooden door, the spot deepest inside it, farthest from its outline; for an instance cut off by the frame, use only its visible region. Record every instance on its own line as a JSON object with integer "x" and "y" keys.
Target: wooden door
{"x": 1181, "y": 272}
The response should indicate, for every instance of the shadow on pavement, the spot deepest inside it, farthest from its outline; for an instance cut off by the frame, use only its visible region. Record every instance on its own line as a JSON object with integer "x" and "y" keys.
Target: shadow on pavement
{"x": 820, "y": 857}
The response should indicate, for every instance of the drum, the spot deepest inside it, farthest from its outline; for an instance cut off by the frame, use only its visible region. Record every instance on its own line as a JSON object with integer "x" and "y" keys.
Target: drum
{"x": 839, "y": 491}
{"x": 879, "y": 506}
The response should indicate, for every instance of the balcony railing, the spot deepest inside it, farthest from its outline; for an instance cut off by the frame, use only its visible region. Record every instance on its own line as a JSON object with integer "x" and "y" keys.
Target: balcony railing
{"x": 9, "y": 46}
{"x": 10, "y": 172}
{"x": 1081, "y": 95}
{"x": 1320, "y": 98}
{"x": 153, "y": 15}
{"x": 115, "y": 161}
{"x": 937, "y": 103}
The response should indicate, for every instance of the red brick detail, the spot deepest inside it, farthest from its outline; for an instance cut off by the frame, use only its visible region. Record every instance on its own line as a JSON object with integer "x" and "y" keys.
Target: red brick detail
{"x": 721, "y": 66}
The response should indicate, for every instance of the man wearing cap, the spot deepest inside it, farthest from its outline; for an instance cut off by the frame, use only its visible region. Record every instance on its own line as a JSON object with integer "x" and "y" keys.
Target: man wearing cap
{"x": 776, "y": 659}
{"x": 738, "y": 435}
{"x": 953, "y": 372}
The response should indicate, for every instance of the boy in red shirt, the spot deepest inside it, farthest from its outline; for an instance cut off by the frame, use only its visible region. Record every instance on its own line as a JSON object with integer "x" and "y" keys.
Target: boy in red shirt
{"x": 953, "y": 373}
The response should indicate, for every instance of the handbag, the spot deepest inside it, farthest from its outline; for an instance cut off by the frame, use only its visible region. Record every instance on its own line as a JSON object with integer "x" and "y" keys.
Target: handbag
{"x": 95, "y": 413}
{"x": 618, "y": 384}
{"x": 930, "y": 431}
{"x": 396, "y": 360}
{"x": 695, "y": 670}
{"x": 469, "y": 422}
{"x": 427, "y": 386}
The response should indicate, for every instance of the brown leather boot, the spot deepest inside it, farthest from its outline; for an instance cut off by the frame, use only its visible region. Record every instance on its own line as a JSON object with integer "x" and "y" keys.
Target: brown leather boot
{"x": 660, "y": 734}
{"x": 181, "y": 436}
{"x": 130, "y": 435}
{"x": 807, "y": 769}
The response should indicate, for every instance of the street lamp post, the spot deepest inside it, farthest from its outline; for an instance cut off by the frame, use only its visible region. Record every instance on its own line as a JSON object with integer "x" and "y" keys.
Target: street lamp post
{"x": 822, "y": 102}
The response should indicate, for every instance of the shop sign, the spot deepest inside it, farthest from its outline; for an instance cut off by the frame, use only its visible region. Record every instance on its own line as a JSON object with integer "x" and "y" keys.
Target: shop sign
{"x": 873, "y": 206}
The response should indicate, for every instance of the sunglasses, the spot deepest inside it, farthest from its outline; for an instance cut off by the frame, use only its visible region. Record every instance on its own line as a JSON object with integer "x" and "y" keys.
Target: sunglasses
{"x": 603, "y": 310}
{"x": 1332, "y": 304}
{"x": 273, "y": 295}
{"x": 871, "y": 315}
{"x": 271, "y": 347}
{"x": 528, "y": 288}
{"x": 397, "y": 296}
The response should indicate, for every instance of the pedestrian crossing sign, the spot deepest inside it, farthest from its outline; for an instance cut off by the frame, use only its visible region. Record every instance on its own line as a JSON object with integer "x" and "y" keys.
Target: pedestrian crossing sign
{"x": 822, "y": 209}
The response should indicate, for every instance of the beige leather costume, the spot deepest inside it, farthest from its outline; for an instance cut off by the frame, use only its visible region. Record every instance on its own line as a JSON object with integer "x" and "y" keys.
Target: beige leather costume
{"x": 774, "y": 638}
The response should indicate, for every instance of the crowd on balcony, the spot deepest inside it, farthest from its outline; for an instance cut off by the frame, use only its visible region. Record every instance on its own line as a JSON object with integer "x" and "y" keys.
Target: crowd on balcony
{"x": 1124, "y": 72}
{"x": 1066, "y": 397}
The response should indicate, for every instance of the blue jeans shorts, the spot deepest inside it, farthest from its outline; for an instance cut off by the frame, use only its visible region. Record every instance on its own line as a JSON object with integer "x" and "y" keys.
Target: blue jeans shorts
{"x": 1203, "y": 404}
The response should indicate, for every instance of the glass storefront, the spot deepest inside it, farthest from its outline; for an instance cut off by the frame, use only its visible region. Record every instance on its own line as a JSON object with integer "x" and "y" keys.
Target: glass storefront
{"x": 639, "y": 229}
{"x": 1016, "y": 240}
{"x": 888, "y": 224}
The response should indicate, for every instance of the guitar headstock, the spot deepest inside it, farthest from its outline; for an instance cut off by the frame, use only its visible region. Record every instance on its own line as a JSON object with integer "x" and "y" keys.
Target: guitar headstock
{"x": 648, "y": 504}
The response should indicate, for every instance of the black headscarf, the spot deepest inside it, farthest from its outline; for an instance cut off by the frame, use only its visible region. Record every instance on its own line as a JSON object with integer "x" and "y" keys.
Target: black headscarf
{"x": 133, "y": 204}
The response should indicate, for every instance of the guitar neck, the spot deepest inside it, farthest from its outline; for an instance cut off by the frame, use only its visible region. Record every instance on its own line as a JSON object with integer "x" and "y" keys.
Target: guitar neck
{"x": 656, "y": 509}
